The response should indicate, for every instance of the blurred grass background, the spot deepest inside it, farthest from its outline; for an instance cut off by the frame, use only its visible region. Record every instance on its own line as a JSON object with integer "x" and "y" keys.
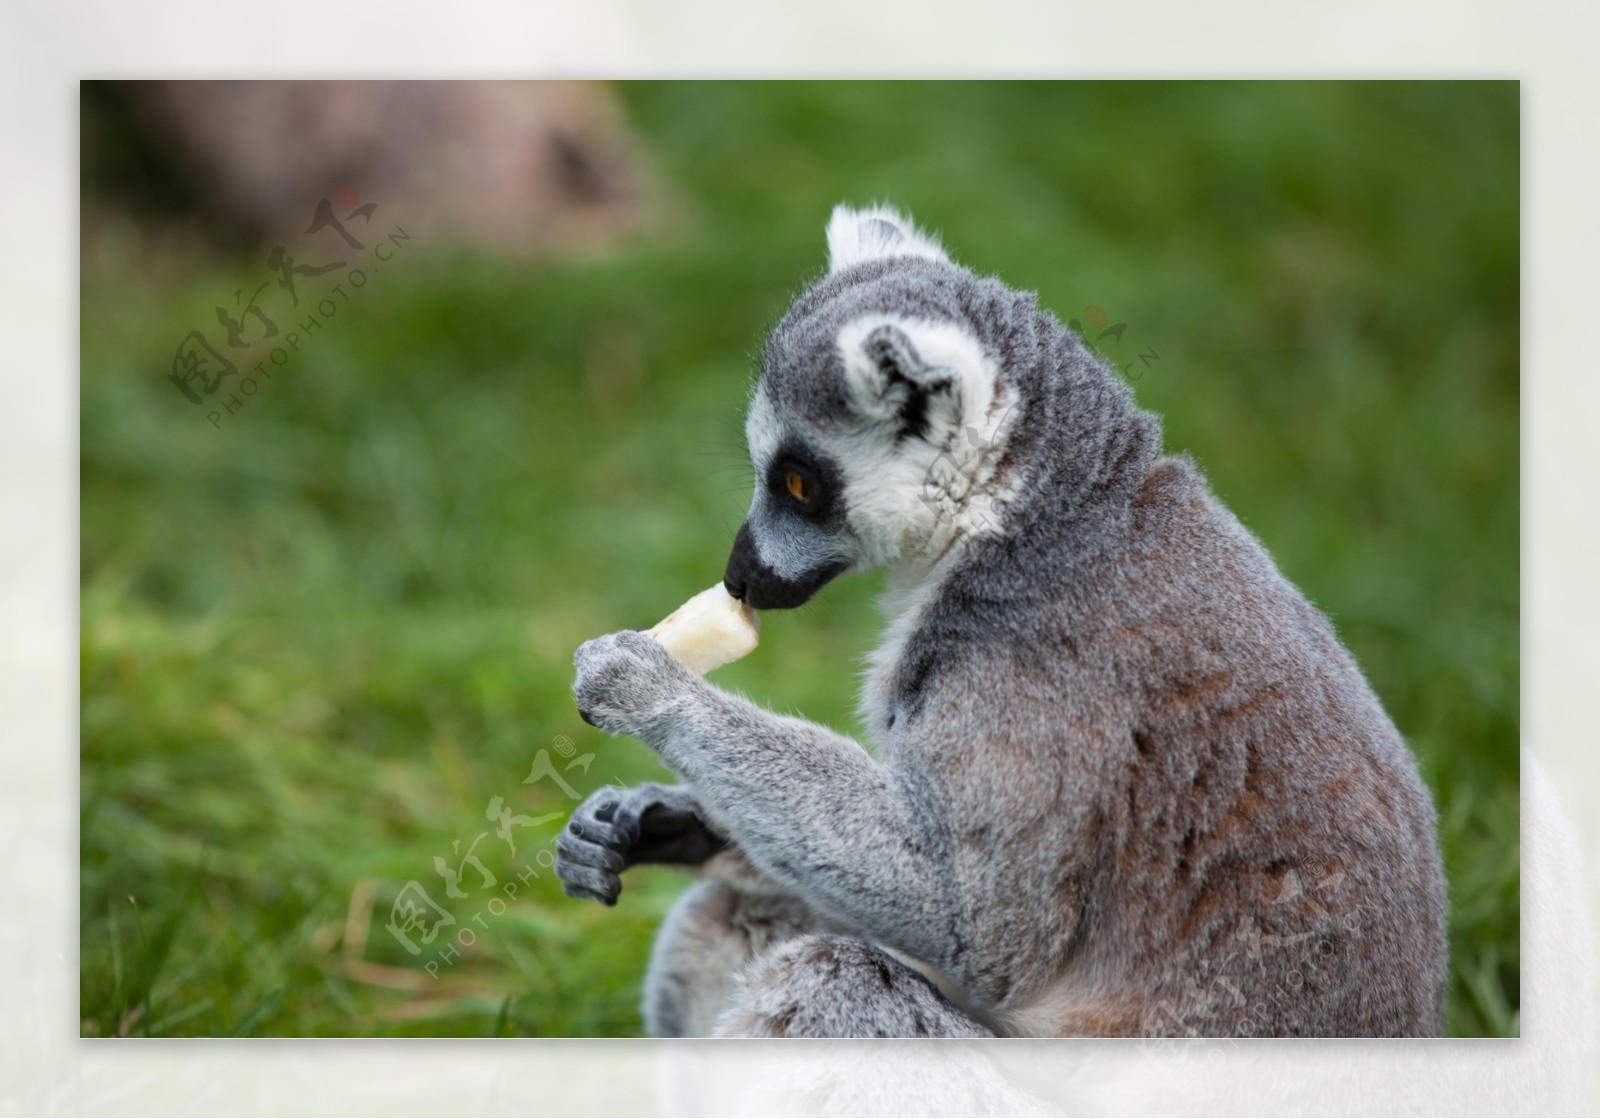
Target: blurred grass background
{"x": 317, "y": 639}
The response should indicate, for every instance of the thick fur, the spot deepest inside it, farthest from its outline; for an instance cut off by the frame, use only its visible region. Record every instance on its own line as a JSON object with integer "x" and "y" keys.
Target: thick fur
{"x": 715, "y": 930}
{"x": 1126, "y": 780}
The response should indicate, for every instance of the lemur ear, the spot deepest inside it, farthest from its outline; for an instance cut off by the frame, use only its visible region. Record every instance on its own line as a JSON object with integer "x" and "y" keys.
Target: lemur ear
{"x": 891, "y": 382}
{"x": 856, "y": 236}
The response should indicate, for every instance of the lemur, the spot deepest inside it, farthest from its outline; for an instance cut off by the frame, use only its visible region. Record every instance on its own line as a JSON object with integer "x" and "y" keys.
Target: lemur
{"x": 1124, "y": 778}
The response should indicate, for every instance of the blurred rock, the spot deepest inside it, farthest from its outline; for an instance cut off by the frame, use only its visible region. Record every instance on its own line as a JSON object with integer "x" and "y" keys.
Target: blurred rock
{"x": 525, "y": 168}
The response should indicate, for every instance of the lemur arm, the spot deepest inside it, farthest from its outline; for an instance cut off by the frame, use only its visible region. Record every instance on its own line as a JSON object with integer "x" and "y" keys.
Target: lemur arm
{"x": 808, "y": 807}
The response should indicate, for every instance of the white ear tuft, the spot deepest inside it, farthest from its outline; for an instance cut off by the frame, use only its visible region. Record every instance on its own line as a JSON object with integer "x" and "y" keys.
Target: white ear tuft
{"x": 855, "y": 236}
{"x": 929, "y": 376}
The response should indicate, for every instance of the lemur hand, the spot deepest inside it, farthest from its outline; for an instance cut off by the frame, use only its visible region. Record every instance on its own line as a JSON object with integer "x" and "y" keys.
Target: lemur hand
{"x": 618, "y": 828}
{"x": 626, "y": 681}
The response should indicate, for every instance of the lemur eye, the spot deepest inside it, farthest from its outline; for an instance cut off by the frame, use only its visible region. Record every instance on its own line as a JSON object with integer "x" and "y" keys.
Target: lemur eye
{"x": 799, "y": 486}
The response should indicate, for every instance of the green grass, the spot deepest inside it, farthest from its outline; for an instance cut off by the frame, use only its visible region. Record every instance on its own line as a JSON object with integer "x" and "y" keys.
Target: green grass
{"x": 317, "y": 639}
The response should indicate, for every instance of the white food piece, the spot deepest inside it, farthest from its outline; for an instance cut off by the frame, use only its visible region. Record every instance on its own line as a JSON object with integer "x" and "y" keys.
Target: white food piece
{"x": 710, "y": 630}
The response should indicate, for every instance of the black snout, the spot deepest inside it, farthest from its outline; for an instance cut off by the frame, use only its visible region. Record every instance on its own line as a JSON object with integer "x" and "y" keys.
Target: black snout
{"x": 758, "y": 586}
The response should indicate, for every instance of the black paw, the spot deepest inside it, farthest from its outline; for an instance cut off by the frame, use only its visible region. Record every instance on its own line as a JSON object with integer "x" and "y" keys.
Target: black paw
{"x": 618, "y": 828}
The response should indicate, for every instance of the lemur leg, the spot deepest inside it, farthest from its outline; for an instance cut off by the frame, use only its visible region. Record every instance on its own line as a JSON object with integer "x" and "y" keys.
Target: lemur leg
{"x": 840, "y": 986}
{"x": 712, "y": 933}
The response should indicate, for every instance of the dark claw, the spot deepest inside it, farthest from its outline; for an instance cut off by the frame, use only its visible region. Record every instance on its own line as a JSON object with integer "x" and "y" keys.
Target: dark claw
{"x": 586, "y": 895}
{"x": 587, "y": 882}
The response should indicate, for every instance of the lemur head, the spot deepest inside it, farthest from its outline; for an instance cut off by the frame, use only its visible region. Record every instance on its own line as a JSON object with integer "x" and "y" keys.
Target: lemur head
{"x": 877, "y": 421}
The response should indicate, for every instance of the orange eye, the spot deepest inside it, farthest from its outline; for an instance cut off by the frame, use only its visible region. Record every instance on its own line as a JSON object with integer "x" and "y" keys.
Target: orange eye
{"x": 799, "y": 486}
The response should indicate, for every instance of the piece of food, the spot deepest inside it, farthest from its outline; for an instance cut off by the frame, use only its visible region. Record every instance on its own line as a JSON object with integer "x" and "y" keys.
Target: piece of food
{"x": 710, "y": 630}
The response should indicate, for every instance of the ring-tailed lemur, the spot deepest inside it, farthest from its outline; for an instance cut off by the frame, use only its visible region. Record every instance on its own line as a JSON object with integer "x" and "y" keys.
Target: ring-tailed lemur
{"x": 1126, "y": 780}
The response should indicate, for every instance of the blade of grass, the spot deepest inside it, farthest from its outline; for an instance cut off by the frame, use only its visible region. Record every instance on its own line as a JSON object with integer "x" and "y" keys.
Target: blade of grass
{"x": 257, "y": 1012}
